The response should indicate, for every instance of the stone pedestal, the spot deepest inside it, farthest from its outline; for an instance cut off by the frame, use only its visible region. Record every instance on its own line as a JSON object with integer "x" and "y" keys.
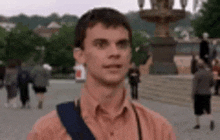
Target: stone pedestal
{"x": 164, "y": 46}
{"x": 164, "y": 49}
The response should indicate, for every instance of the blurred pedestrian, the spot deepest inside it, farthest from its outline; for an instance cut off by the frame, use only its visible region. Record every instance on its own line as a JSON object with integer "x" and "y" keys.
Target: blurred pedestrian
{"x": 194, "y": 68}
{"x": 201, "y": 93}
{"x": 40, "y": 80}
{"x": 213, "y": 52}
{"x": 216, "y": 72}
{"x": 204, "y": 49}
{"x": 134, "y": 79}
{"x": 2, "y": 76}
{"x": 11, "y": 84}
{"x": 23, "y": 82}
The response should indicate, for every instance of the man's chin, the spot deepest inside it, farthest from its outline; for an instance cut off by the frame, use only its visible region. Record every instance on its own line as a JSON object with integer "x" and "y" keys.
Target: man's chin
{"x": 112, "y": 82}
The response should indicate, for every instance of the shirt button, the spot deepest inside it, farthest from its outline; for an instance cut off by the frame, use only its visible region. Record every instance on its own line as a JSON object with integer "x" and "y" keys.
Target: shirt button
{"x": 111, "y": 133}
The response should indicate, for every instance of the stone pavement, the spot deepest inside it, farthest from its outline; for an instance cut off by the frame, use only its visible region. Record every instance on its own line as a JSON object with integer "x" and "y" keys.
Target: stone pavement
{"x": 16, "y": 123}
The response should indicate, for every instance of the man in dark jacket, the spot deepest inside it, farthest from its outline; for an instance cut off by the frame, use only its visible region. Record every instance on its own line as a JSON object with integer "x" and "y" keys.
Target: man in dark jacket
{"x": 2, "y": 75}
{"x": 204, "y": 49}
{"x": 194, "y": 68}
{"x": 23, "y": 81}
{"x": 201, "y": 93}
{"x": 134, "y": 79}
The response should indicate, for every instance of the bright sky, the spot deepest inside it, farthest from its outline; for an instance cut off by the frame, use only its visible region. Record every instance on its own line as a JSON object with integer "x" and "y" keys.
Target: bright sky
{"x": 74, "y": 7}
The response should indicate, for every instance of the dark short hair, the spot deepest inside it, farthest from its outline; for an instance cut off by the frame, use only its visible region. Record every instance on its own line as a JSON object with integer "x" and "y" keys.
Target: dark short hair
{"x": 107, "y": 16}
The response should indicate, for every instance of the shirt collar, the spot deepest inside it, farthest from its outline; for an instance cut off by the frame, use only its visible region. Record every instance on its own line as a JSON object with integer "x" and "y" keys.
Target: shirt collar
{"x": 90, "y": 106}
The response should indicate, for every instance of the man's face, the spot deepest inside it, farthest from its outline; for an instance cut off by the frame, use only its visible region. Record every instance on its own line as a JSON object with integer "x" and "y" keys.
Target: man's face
{"x": 107, "y": 53}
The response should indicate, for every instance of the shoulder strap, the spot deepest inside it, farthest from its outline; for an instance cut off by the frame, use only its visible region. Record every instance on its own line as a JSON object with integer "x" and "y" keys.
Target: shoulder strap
{"x": 71, "y": 119}
{"x": 138, "y": 122}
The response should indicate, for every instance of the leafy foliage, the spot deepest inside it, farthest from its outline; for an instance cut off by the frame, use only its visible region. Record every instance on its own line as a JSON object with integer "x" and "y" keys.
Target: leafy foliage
{"x": 3, "y": 35}
{"x": 209, "y": 19}
{"x": 140, "y": 48}
{"x": 21, "y": 43}
{"x": 59, "y": 49}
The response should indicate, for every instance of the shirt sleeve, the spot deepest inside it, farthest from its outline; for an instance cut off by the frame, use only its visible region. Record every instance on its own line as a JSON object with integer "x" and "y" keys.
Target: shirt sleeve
{"x": 168, "y": 132}
{"x": 43, "y": 129}
{"x": 172, "y": 136}
{"x": 35, "y": 134}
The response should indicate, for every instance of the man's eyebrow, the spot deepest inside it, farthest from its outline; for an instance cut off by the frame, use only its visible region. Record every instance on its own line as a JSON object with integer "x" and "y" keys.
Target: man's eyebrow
{"x": 99, "y": 40}
{"x": 123, "y": 41}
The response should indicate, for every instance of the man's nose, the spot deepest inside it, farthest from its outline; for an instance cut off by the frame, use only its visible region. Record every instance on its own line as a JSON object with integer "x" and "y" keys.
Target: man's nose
{"x": 114, "y": 51}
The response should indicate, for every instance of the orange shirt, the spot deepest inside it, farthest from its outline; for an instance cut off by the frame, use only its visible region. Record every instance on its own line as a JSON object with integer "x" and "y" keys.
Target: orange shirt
{"x": 120, "y": 126}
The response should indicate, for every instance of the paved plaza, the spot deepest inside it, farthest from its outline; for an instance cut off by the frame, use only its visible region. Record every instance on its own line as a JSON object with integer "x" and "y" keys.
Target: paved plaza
{"x": 16, "y": 123}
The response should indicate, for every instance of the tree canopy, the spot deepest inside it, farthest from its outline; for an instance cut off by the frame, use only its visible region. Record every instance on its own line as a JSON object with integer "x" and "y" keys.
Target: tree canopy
{"x": 140, "y": 47}
{"x": 21, "y": 43}
{"x": 208, "y": 19}
{"x": 59, "y": 49}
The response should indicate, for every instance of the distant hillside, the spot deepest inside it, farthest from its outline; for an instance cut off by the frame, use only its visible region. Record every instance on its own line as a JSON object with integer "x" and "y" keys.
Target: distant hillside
{"x": 35, "y": 20}
{"x": 136, "y": 22}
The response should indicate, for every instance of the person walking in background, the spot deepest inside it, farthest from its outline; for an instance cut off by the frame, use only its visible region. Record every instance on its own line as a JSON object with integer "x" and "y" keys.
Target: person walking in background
{"x": 2, "y": 76}
{"x": 194, "y": 62}
{"x": 23, "y": 81}
{"x": 201, "y": 93}
{"x": 216, "y": 72}
{"x": 11, "y": 84}
{"x": 40, "y": 80}
{"x": 213, "y": 52}
{"x": 134, "y": 79}
{"x": 104, "y": 110}
{"x": 204, "y": 49}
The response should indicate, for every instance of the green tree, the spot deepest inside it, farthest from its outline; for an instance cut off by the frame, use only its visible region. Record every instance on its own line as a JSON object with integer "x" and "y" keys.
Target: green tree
{"x": 3, "y": 35}
{"x": 208, "y": 19}
{"x": 59, "y": 49}
{"x": 21, "y": 43}
{"x": 140, "y": 47}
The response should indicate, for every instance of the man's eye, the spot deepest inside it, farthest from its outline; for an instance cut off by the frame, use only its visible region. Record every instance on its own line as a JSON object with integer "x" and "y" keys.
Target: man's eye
{"x": 101, "y": 45}
{"x": 123, "y": 45}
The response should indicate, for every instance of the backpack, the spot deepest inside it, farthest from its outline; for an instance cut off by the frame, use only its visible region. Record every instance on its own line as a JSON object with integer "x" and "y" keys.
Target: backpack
{"x": 70, "y": 116}
{"x": 23, "y": 78}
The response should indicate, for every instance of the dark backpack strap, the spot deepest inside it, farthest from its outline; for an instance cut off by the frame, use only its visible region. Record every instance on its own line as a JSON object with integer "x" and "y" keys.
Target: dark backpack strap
{"x": 138, "y": 122}
{"x": 71, "y": 119}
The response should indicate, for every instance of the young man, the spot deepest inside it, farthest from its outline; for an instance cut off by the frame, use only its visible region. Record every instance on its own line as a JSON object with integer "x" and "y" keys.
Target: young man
{"x": 104, "y": 38}
{"x": 201, "y": 94}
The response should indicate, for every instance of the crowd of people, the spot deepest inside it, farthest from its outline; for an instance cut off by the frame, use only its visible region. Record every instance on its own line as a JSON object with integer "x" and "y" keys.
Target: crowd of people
{"x": 16, "y": 80}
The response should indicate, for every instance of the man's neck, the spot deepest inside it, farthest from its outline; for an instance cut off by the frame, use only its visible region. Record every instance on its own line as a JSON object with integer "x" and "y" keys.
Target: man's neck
{"x": 109, "y": 97}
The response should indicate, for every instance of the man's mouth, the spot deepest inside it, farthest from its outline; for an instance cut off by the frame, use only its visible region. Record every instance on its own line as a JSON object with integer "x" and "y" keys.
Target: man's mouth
{"x": 112, "y": 66}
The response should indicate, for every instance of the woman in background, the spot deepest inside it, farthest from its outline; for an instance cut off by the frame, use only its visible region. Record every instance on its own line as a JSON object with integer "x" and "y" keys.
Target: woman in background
{"x": 11, "y": 85}
{"x": 40, "y": 78}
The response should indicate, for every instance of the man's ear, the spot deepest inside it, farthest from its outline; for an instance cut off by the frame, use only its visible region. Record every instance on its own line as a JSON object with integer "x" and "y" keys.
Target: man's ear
{"x": 78, "y": 55}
